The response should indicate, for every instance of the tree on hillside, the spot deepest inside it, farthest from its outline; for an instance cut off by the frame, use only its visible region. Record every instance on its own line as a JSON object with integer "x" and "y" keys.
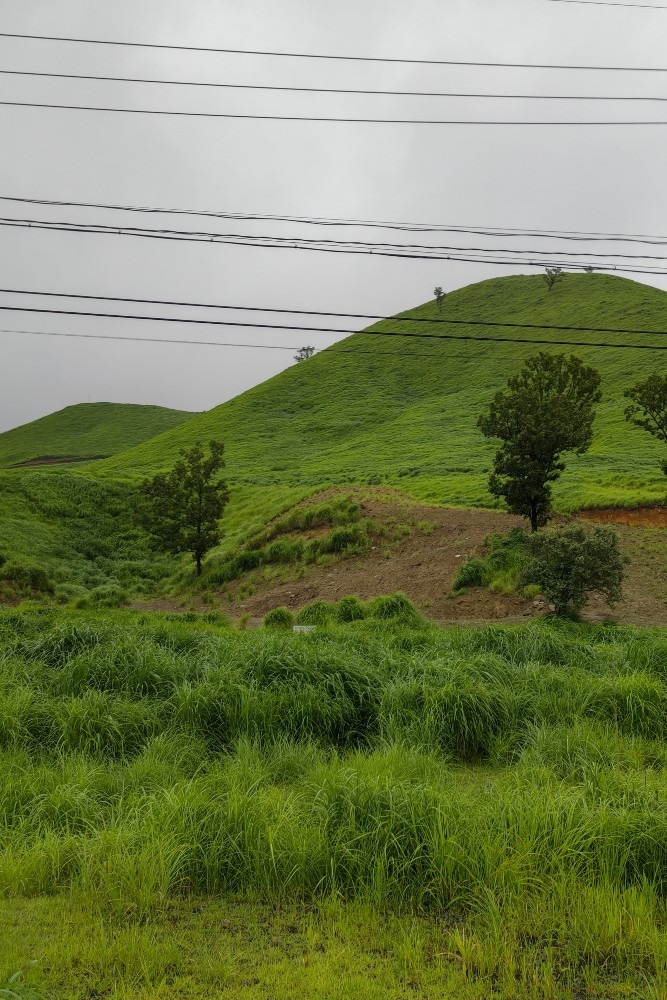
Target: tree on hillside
{"x": 648, "y": 408}
{"x": 570, "y": 564}
{"x": 440, "y": 296}
{"x": 304, "y": 353}
{"x": 545, "y": 411}
{"x": 552, "y": 275}
{"x": 181, "y": 509}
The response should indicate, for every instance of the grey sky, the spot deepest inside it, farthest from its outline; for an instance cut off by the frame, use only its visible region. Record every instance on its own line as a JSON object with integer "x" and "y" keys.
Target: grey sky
{"x": 598, "y": 179}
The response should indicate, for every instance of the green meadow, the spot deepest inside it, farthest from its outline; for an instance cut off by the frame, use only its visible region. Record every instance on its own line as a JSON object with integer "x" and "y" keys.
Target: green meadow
{"x": 374, "y": 809}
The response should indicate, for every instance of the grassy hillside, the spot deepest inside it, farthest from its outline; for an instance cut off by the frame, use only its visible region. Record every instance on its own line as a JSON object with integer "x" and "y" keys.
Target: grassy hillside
{"x": 374, "y": 409}
{"x": 88, "y": 430}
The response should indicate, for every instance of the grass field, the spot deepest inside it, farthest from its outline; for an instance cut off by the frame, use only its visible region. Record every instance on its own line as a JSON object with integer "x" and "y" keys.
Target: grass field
{"x": 87, "y": 430}
{"x": 375, "y": 809}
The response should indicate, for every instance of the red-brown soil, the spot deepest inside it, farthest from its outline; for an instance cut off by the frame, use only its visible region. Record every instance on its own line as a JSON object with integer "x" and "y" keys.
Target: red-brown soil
{"x": 638, "y": 517}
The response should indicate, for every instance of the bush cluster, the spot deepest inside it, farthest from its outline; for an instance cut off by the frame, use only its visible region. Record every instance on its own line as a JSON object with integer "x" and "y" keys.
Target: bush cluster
{"x": 507, "y": 556}
{"x": 349, "y": 535}
{"x": 394, "y": 608}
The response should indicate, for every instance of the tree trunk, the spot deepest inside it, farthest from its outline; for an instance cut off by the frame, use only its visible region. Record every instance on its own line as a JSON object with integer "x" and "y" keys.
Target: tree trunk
{"x": 533, "y": 516}
{"x": 198, "y": 558}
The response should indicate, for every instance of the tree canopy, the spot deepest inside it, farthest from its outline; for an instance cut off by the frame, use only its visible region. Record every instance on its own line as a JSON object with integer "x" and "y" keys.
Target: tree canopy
{"x": 181, "y": 509}
{"x": 648, "y": 408}
{"x": 545, "y": 411}
{"x": 571, "y": 564}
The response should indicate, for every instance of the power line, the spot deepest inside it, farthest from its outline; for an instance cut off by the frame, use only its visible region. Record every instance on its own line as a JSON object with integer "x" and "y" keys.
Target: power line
{"x": 608, "y": 3}
{"x": 314, "y": 329}
{"x": 556, "y": 234}
{"x": 398, "y": 252}
{"x": 364, "y": 245}
{"x": 217, "y": 343}
{"x": 314, "y": 118}
{"x": 325, "y": 90}
{"x": 320, "y": 55}
{"x": 438, "y": 321}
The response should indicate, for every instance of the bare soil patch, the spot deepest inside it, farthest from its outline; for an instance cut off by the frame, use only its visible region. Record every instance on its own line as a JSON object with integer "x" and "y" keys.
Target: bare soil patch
{"x": 423, "y": 564}
{"x": 642, "y": 517}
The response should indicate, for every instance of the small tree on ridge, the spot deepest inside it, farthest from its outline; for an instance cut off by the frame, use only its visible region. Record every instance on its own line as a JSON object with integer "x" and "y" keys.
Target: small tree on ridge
{"x": 303, "y": 354}
{"x": 552, "y": 275}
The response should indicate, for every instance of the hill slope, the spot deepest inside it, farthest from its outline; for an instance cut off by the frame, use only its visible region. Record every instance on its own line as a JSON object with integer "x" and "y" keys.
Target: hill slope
{"x": 376, "y": 409}
{"x": 87, "y": 430}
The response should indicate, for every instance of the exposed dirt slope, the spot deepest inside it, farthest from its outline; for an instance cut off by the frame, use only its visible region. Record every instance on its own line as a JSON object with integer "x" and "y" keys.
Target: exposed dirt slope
{"x": 424, "y": 563}
{"x": 420, "y": 554}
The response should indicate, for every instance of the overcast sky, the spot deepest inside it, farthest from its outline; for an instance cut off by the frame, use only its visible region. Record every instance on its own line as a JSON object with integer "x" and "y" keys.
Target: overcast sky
{"x": 586, "y": 179}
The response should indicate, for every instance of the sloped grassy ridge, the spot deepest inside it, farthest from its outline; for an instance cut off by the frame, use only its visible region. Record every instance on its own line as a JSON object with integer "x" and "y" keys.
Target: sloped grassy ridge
{"x": 373, "y": 409}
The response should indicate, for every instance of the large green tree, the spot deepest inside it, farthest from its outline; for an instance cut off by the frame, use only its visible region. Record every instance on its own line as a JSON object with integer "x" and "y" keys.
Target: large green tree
{"x": 648, "y": 408}
{"x": 181, "y": 509}
{"x": 546, "y": 411}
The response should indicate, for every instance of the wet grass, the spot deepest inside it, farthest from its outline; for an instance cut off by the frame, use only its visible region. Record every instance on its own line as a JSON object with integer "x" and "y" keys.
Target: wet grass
{"x": 491, "y": 806}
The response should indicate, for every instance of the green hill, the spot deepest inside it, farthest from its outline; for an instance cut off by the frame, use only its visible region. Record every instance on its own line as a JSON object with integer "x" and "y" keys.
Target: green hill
{"x": 392, "y": 410}
{"x": 88, "y": 430}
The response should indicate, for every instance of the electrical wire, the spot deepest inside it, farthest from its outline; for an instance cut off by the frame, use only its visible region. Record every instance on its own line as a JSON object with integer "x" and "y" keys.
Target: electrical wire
{"x": 316, "y": 118}
{"x": 217, "y": 343}
{"x": 320, "y": 55}
{"x": 314, "y": 329}
{"x": 607, "y": 3}
{"x": 556, "y": 234}
{"x": 363, "y": 245}
{"x": 326, "y": 90}
{"x": 280, "y": 243}
{"x": 439, "y": 321}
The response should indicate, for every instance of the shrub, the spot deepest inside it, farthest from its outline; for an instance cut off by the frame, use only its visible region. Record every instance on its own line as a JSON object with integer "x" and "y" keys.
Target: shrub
{"x": 569, "y": 565}
{"x": 283, "y": 551}
{"x": 396, "y": 608}
{"x": 281, "y": 618}
{"x": 235, "y": 567}
{"x": 509, "y": 552}
{"x": 26, "y": 577}
{"x": 472, "y": 573}
{"x": 312, "y": 551}
{"x": 508, "y": 555}
{"x": 349, "y": 609}
{"x": 108, "y": 596}
{"x": 341, "y": 539}
{"x": 317, "y": 613}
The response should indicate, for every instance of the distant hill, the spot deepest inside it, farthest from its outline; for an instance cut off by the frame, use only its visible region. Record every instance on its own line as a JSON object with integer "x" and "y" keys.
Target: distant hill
{"x": 403, "y": 411}
{"x": 85, "y": 431}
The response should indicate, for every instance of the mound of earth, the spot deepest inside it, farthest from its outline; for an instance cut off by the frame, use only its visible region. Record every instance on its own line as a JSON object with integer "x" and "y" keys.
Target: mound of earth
{"x": 424, "y": 562}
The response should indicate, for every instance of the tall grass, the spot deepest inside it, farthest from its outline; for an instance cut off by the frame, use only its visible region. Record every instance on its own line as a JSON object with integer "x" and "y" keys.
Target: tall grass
{"x": 470, "y": 771}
